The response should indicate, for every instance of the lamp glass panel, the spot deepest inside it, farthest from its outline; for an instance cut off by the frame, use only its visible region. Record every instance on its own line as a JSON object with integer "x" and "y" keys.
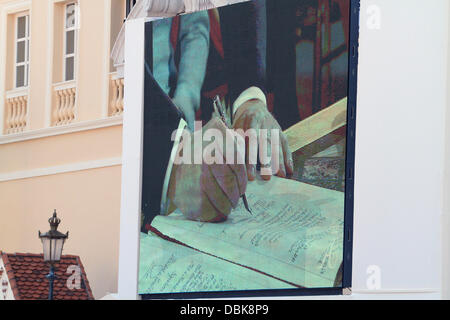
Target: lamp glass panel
{"x": 58, "y": 248}
{"x": 46, "y": 248}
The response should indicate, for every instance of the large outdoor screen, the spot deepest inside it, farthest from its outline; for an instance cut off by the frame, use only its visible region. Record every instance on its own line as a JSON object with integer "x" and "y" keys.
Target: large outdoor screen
{"x": 248, "y": 150}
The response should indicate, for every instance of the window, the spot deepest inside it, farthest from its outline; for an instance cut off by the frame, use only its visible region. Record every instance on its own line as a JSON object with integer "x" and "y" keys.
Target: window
{"x": 22, "y": 56}
{"x": 70, "y": 40}
{"x": 129, "y": 5}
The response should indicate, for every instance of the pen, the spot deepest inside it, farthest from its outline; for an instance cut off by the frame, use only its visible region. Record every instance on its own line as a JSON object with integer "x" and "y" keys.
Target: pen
{"x": 218, "y": 107}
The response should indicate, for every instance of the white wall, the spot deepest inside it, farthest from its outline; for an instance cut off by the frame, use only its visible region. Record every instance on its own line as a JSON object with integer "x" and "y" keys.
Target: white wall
{"x": 446, "y": 215}
{"x": 400, "y": 144}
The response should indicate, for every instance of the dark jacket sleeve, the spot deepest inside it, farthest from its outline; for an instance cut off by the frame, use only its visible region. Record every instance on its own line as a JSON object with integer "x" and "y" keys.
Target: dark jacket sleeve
{"x": 161, "y": 119}
{"x": 244, "y": 37}
{"x": 260, "y": 50}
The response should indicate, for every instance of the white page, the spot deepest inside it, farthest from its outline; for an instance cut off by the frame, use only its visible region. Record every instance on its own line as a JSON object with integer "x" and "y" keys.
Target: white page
{"x": 295, "y": 232}
{"x": 166, "y": 267}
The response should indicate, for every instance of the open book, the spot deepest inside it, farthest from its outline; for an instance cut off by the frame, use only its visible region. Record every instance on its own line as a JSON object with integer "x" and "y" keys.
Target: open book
{"x": 166, "y": 267}
{"x": 294, "y": 238}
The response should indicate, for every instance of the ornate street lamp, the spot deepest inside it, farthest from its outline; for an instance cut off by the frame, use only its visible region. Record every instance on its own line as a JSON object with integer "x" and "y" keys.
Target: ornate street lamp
{"x": 53, "y": 243}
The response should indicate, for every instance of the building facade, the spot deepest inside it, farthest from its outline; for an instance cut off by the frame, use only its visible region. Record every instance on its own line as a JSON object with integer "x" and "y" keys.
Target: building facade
{"x": 61, "y": 105}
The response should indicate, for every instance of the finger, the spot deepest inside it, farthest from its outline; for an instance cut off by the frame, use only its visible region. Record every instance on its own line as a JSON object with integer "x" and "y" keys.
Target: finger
{"x": 234, "y": 165}
{"x": 249, "y": 156}
{"x": 251, "y": 126}
{"x": 239, "y": 123}
{"x": 232, "y": 152}
{"x": 187, "y": 194}
{"x": 241, "y": 179}
{"x": 212, "y": 187}
{"x": 265, "y": 156}
{"x": 219, "y": 182}
{"x": 209, "y": 213}
{"x": 246, "y": 123}
{"x": 251, "y": 143}
{"x": 281, "y": 170}
{"x": 287, "y": 154}
{"x": 241, "y": 176}
{"x": 226, "y": 180}
{"x": 191, "y": 199}
{"x": 251, "y": 164}
{"x": 251, "y": 172}
{"x": 278, "y": 165}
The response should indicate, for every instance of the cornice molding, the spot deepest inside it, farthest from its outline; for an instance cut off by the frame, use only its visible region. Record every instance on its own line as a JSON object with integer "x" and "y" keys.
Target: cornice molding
{"x": 62, "y": 130}
{"x": 67, "y": 168}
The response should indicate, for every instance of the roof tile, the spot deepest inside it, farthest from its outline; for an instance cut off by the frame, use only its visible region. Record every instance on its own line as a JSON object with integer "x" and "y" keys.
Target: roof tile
{"x": 27, "y": 275}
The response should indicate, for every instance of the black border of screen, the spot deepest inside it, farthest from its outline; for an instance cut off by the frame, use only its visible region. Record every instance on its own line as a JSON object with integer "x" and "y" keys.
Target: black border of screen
{"x": 349, "y": 188}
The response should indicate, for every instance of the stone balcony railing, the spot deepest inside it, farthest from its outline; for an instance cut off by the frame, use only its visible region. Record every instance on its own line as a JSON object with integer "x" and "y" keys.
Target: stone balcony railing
{"x": 16, "y": 111}
{"x": 64, "y": 106}
{"x": 116, "y": 95}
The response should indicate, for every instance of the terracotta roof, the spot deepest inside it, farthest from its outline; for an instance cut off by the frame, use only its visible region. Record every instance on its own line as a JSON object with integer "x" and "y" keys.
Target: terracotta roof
{"x": 27, "y": 277}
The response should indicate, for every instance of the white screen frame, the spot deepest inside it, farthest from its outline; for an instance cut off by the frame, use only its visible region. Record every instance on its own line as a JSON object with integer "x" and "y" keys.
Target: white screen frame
{"x": 132, "y": 155}
{"x": 366, "y": 246}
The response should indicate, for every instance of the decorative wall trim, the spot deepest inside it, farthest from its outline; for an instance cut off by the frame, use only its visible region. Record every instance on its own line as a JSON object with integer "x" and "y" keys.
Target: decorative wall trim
{"x": 21, "y": 92}
{"x": 65, "y": 85}
{"x": 56, "y": 131}
{"x": 68, "y": 168}
{"x": 64, "y": 109}
{"x": 116, "y": 101}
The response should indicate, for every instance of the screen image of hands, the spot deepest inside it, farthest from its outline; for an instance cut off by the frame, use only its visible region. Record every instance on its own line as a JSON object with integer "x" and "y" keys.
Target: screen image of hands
{"x": 253, "y": 115}
{"x": 213, "y": 166}
{"x": 204, "y": 185}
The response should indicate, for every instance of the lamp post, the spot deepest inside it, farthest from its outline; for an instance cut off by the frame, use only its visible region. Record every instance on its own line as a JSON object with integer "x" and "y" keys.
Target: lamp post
{"x": 53, "y": 243}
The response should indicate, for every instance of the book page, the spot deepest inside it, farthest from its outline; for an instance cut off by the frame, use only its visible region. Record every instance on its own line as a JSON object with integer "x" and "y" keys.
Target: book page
{"x": 166, "y": 267}
{"x": 295, "y": 232}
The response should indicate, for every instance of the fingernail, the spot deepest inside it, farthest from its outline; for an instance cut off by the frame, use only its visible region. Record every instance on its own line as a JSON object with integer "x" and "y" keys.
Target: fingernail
{"x": 252, "y": 173}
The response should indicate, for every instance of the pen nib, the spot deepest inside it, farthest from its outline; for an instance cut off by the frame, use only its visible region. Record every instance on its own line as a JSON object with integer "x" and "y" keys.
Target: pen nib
{"x": 244, "y": 198}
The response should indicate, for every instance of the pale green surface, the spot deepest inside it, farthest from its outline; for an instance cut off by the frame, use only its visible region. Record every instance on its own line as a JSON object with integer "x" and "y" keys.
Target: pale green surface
{"x": 295, "y": 233}
{"x": 166, "y": 267}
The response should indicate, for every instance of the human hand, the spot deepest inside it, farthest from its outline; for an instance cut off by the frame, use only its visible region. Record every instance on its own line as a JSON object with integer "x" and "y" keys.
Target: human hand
{"x": 254, "y": 115}
{"x": 186, "y": 106}
{"x": 204, "y": 185}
